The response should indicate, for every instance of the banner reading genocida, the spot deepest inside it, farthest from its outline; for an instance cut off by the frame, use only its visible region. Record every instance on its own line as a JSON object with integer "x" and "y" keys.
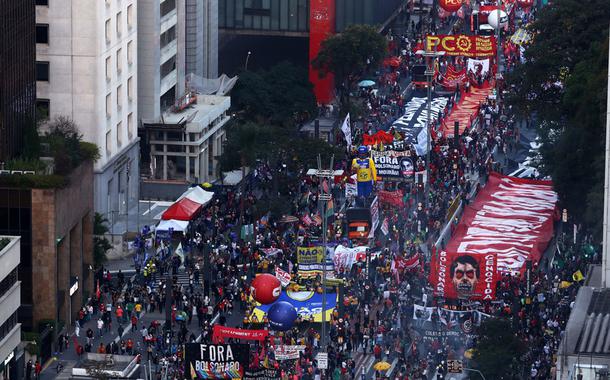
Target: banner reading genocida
{"x": 462, "y": 45}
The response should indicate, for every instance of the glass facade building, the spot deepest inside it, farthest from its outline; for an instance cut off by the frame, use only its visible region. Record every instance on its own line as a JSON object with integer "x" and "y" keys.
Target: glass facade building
{"x": 17, "y": 73}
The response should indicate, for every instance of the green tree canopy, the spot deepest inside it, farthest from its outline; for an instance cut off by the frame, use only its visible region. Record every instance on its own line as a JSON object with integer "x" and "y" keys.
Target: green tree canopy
{"x": 563, "y": 84}
{"x": 281, "y": 95}
{"x": 348, "y": 54}
{"x": 498, "y": 344}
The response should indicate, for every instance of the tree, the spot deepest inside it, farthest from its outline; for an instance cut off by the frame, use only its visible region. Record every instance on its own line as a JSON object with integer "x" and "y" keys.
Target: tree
{"x": 101, "y": 245}
{"x": 563, "y": 84}
{"x": 497, "y": 344}
{"x": 282, "y": 95}
{"x": 347, "y": 56}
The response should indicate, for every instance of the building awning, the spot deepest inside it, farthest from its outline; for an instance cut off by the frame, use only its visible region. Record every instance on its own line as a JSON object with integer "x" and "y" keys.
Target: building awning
{"x": 197, "y": 194}
{"x": 175, "y": 225}
{"x": 184, "y": 209}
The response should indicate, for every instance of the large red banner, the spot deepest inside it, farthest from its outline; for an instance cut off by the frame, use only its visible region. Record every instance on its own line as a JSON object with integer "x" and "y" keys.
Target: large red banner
{"x": 465, "y": 276}
{"x": 220, "y": 333}
{"x": 462, "y": 45}
{"x": 511, "y": 219}
{"x": 321, "y": 25}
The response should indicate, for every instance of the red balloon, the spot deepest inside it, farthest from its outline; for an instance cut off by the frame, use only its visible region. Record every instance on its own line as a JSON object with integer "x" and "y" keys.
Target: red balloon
{"x": 266, "y": 288}
{"x": 450, "y": 5}
{"x": 525, "y": 3}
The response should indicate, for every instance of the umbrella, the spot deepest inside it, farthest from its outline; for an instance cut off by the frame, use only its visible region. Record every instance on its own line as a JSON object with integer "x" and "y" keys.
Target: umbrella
{"x": 289, "y": 219}
{"x": 207, "y": 185}
{"x": 382, "y": 366}
{"x": 366, "y": 83}
{"x": 469, "y": 354}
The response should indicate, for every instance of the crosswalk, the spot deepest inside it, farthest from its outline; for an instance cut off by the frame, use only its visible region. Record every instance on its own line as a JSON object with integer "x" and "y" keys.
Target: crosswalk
{"x": 366, "y": 361}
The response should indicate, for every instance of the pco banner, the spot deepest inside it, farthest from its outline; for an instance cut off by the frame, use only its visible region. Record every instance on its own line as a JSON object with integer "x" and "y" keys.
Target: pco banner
{"x": 216, "y": 361}
{"x": 462, "y": 45}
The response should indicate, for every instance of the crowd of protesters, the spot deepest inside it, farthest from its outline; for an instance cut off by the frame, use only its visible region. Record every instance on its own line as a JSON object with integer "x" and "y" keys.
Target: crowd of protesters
{"x": 373, "y": 316}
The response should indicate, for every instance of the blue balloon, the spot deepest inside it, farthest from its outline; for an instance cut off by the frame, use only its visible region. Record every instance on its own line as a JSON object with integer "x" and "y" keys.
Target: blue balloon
{"x": 282, "y": 316}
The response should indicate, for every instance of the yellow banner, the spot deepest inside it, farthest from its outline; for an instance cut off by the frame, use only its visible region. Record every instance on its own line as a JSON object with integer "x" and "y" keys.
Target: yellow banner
{"x": 310, "y": 255}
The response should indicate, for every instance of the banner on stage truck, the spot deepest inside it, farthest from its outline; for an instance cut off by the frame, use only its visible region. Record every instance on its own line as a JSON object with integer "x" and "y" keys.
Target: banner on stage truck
{"x": 462, "y": 45}
{"x": 464, "y": 276}
{"x": 262, "y": 374}
{"x": 310, "y": 255}
{"x": 220, "y": 333}
{"x": 393, "y": 166}
{"x": 307, "y": 303}
{"x": 216, "y": 361}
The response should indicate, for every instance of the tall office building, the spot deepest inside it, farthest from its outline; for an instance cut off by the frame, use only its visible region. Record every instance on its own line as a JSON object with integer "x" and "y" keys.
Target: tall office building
{"x": 202, "y": 38}
{"x": 17, "y": 74}
{"x": 160, "y": 56}
{"x": 86, "y": 61}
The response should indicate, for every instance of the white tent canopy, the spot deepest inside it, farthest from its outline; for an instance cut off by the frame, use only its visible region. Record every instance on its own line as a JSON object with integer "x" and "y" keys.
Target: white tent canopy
{"x": 198, "y": 195}
{"x": 176, "y": 225}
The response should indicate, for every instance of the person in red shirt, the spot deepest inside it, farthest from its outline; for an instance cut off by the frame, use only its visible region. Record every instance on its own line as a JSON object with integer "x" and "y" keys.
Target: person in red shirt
{"x": 37, "y": 369}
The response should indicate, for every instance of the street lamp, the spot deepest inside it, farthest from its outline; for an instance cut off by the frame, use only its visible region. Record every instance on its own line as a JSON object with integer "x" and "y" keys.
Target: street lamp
{"x": 247, "y": 59}
{"x": 323, "y": 198}
{"x": 431, "y": 57}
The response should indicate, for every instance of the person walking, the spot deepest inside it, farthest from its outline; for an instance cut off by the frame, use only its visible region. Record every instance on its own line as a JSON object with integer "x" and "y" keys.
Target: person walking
{"x": 37, "y": 369}
{"x": 100, "y": 327}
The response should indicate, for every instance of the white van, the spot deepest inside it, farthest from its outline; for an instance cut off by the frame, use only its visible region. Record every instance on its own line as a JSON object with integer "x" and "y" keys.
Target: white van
{"x": 525, "y": 172}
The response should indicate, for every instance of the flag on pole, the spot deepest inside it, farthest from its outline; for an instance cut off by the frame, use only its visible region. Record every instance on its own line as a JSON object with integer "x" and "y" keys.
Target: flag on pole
{"x": 98, "y": 293}
{"x": 347, "y": 131}
{"x": 330, "y": 208}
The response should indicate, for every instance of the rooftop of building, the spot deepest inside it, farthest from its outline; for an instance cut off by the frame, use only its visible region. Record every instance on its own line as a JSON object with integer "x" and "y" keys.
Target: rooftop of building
{"x": 201, "y": 111}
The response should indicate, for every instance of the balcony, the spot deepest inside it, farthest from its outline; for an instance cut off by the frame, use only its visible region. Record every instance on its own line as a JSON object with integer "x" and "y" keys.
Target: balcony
{"x": 168, "y": 21}
{"x": 168, "y": 81}
{"x": 10, "y": 342}
{"x": 9, "y": 255}
{"x": 168, "y": 51}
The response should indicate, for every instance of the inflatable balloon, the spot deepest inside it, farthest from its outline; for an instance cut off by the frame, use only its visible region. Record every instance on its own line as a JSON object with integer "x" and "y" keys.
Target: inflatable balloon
{"x": 266, "y": 288}
{"x": 496, "y": 22}
{"x": 450, "y": 5}
{"x": 282, "y": 316}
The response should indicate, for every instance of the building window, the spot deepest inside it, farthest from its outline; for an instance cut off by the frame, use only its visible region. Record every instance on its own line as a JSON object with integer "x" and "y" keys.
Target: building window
{"x": 167, "y": 6}
{"x": 108, "y": 106}
{"x": 168, "y": 66}
{"x": 42, "y": 71}
{"x": 119, "y": 134}
{"x": 130, "y": 125}
{"x": 119, "y": 23}
{"x": 8, "y": 325}
{"x": 108, "y": 143}
{"x": 42, "y": 2}
{"x": 8, "y": 282}
{"x": 119, "y": 97}
{"x": 130, "y": 52}
{"x": 108, "y": 31}
{"x": 130, "y": 89}
{"x": 168, "y": 36}
{"x": 43, "y": 109}
{"x": 130, "y": 16}
{"x": 119, "y": 60}
{"x": 108, "y": 68}
{"x": 42, "y": 33}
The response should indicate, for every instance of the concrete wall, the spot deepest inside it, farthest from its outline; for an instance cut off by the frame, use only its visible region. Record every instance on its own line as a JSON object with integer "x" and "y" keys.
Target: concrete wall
{"x": 149, "y": 70}
{"x": 62, "y": 244}
{"x": 210, "y": 39}
{"x": 194, "y": 37}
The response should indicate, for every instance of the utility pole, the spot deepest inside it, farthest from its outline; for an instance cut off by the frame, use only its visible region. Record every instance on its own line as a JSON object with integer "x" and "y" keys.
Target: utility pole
{"x": 431, "y": 57}
{"x": 323, "y": 199}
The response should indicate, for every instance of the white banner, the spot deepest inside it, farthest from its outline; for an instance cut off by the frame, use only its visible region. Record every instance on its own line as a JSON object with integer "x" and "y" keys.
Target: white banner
{"x": 347, "y": 131}
{"x": 286, "y": 352}
{"x": 283, "y": 276}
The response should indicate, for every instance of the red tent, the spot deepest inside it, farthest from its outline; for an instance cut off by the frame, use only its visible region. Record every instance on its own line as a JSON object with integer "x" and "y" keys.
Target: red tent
{"x": 184, "y": 209}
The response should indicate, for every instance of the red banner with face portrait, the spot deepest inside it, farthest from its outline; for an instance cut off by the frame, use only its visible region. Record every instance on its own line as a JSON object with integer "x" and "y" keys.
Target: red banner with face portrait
{"x": 464, "y": 276}
{"x": 462, "y": 45}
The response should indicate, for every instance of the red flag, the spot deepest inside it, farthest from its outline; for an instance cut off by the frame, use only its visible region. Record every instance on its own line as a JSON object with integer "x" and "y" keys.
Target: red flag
{"x": 98, "y": 293}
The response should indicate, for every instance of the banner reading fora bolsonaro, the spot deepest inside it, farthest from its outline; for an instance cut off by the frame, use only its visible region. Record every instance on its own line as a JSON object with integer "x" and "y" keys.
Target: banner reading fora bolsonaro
{"x": 464, "y": 276}
{"x": 216, "y": 361}
{"x": 462, "y": 45}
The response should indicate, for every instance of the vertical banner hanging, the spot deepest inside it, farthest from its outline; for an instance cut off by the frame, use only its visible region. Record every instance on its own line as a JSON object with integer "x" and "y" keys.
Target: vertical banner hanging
{"x": 321, "y": 25}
